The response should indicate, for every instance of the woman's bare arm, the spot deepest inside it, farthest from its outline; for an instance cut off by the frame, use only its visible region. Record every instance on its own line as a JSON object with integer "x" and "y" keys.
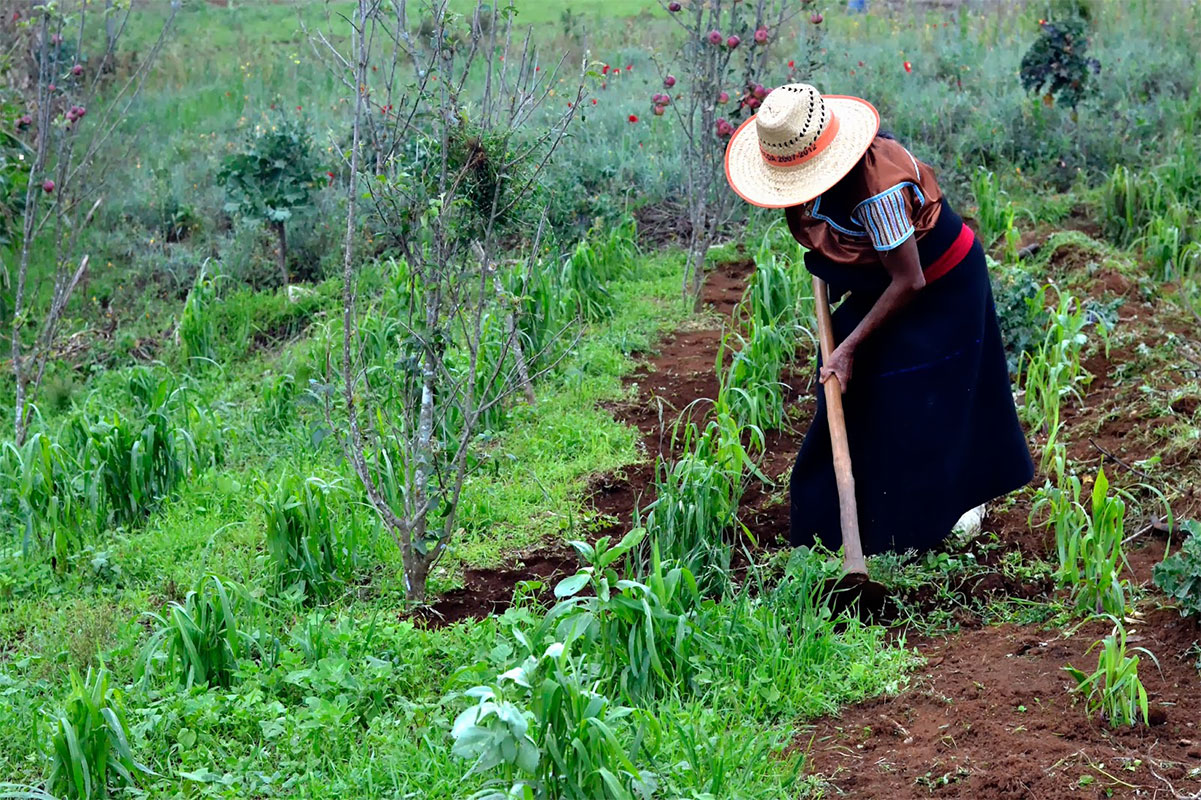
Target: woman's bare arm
{"x": 905, "y": 271}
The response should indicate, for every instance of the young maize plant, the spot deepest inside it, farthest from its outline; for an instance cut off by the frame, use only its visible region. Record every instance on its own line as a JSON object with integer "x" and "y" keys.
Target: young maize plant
{"x": 1088, "y": 545}
{"x": 1113, "y": 689}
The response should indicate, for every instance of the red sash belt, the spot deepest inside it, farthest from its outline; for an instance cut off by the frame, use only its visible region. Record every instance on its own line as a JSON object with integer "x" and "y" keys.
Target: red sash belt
{"x": 954, "y": 254}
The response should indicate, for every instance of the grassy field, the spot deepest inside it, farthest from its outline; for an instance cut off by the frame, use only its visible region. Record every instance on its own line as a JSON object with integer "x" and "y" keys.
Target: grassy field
{"x": 187, "y": 436}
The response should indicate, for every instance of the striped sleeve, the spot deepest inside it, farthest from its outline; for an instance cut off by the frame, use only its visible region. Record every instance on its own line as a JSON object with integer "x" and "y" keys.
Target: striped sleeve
{"x": 886, "y": 217}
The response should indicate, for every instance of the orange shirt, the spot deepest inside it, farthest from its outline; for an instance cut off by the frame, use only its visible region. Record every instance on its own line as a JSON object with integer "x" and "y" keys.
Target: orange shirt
{"x": 885, "y": 198}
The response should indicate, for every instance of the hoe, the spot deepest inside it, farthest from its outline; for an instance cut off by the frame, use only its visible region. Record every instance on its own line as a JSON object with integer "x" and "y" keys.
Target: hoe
{"x": 855, "y": 583}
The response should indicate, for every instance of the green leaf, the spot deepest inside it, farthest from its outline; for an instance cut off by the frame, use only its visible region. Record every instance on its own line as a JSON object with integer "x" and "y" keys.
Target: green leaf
{"x": 571, "y": 586}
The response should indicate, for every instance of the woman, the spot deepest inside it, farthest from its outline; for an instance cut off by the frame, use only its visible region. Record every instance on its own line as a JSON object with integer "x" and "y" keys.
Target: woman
{"x": 929, "y": 411}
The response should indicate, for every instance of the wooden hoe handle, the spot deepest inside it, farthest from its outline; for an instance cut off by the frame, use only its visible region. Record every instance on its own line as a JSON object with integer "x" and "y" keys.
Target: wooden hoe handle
{"x": 852, "y": 548}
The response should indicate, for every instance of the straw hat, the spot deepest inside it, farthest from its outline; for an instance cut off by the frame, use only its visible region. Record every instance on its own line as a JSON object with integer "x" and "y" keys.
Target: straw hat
{"x": 799, "y": 145}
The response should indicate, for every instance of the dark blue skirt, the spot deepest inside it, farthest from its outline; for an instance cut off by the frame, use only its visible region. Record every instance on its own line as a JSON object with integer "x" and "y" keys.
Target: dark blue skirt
{"x": 930, "y": 418}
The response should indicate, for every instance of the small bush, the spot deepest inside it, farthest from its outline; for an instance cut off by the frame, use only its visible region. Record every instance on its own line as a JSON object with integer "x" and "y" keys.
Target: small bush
{"x": 271, "y": 178}
{"x": 89, "y": 748}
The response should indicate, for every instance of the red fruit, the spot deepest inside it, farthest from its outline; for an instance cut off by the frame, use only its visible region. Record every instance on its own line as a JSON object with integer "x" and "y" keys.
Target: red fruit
{"x": 77, "y": 70}
{"x": 761, "y": 36}
{"x": 605, "y": 69}
{"x": 669, "y": 81}
{"x": 792, "y": 65}
{"x": 861, "y": 63}
{"x": 48, "y": 186}
{"x": 633, "y": 118}
{"x": 724, "y": 97}
{"x": 658, "y": 111}
{"x": 908, "y": 67}
{"x": 25, "y": 121}
{"x": 715, "y": 37}
{"x": 753, "y": 102}
{"x": 733, "y": 42}
{"x": 759, "y": 91}
{"x": 674, "y": 7}
{"x": 52, "y": 87}
{"x": 816, "y": 18}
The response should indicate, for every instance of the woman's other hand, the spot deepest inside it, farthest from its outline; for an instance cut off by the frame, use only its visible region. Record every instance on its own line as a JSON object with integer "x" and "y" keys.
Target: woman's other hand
{"x": 839, "y": 365}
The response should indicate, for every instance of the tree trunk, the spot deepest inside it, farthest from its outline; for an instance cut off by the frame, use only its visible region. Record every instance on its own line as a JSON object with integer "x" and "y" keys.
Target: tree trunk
{"x": 417, "y": 573}
{"x": 110, "y": 26}
{"x": 281, "y": 233}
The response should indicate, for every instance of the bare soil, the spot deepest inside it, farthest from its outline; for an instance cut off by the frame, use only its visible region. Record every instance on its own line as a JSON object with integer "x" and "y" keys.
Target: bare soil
{"x": 992, "y": 715}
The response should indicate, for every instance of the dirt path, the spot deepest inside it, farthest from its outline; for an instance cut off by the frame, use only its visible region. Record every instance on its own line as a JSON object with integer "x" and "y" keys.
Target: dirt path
{"x": 991, "y": 715}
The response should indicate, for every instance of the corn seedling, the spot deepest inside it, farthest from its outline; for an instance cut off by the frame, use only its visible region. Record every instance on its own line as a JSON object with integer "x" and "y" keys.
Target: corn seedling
{"x": 196, "y": 331}
{"x": 50, "y": 497}
{"x": 995, "y": 213}
{"x": 1054, "y": 371}
{"x": 1167, "y": 247}
{"x": 644, "y": 630}
{"x": 696, "y": 502}
{"x": 773, "y": 294}
{"x": 586, "y": 273}
{"x": 200, "y": 639}
{"x": 1089, "y": 545}
{"x": 137, "y": 463}
{"x": 313, "y": 549}
{"x": 89, "y": 748}
{"x": 751, "y": 387}
{"x": 278, "y": 403}
{"x": 1114, "y": 689}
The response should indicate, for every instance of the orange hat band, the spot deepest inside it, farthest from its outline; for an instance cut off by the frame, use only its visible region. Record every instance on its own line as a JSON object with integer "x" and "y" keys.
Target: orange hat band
{"x": 819, "y": 144}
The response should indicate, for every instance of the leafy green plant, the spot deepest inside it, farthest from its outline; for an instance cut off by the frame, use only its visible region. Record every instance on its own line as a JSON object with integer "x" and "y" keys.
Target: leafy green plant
{"x": 200, "y": 639}
{"x": 1053, "y": 370}
{"x": 752, "y": 386}
{"x": 137, "y": 463}
{"x": 1114, "y": 689}
{"x": 1167, "y": 247}
{"x": 775, "y": 293}
{"x": 278, "y": 403}
{"x": 271, "y": 178}
{"x": 550, "y": 734}
{"x": 47, "y": 494}
{"x": 1179, "y": 575}
{"x": 89, "y": 748}
{"x": 314, "y": 550}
